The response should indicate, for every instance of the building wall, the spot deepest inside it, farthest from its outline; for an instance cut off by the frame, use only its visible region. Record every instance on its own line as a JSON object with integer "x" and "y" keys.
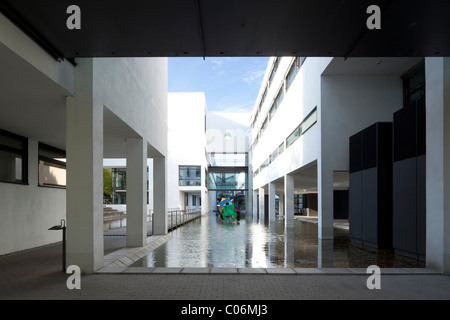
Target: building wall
{"x": 350, "y": 103}
{"x": 33, "y": 86}
{"x": 187, "y": 144}
{"x": 135, "y": 90}
{"x": 301, "y": 98}
{"x": 28, "y": 211}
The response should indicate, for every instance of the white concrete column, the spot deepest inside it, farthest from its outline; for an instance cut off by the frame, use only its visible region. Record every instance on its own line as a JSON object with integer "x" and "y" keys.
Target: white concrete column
{"x": 325, "y": 198}
{"x": 84, "y": 192}
{"x": 261, "y": 204}
{"x": 289, "y": 200}
{"x": 160, "y": 196}
{"x": 281, "y": 204}
{"x": 255, "y": 204}
{"x": 203, "y": 192}
{"x": 271, "y": 201}
{"x": 136, "y": 192}
{"x": 437, "y": 72}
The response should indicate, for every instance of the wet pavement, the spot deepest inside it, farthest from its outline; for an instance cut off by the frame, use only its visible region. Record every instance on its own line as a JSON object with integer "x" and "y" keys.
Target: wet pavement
{"x": 36, "y": 274}
{"x": 207, "y": 242}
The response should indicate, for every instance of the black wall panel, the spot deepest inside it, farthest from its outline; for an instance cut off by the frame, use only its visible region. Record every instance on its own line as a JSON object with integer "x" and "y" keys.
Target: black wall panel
{"x": 369, "y": 210}
{"x": 404, "y": 206}
{"x": 405, "y": 131}
{"x": 354, "y": 206}
{"x": 369, "y": 147}
{"x": 370, "y": 199}
{"x": 355, "y": 153}
{"x": 409, "y": 206}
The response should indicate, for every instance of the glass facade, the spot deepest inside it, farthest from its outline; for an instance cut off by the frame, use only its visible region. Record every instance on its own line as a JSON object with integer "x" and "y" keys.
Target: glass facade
{"x": 227, "y": 180}
{"x": 228, "y": 159}
{"x": 190, "y": 176}
{"x": 119, "y": 185}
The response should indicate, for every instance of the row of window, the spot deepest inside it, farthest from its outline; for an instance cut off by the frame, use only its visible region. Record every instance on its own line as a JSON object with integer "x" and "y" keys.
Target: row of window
{"x": 14, "y": 161}
{"x": 307, "y": 123}
{"x": 288, "y": 79}
{"x": 190, "y": 176}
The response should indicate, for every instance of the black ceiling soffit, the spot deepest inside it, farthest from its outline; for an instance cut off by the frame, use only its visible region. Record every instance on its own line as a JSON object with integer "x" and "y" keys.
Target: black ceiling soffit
{"x": 208, "y": 28}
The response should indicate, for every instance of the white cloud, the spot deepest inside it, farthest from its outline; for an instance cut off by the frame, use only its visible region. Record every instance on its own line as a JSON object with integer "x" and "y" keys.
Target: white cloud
{"x": 254, "y": 76}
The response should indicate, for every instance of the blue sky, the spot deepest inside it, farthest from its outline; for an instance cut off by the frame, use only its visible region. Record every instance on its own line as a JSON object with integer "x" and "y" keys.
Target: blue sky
{"x": 230, "y": 83}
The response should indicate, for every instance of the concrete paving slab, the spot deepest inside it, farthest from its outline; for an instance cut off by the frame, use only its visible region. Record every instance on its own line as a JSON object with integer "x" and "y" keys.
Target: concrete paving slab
{"x": 139, "y": 270}
{"x": 167, "y": 270}
{"x": 336, "y": 270}
{"x": 195, "y": 270}
{"x": 224, "y": 270}
{"x": 252, "y": 270}
{"x": 308, "y": 270}
{"x": 280, "y": 271}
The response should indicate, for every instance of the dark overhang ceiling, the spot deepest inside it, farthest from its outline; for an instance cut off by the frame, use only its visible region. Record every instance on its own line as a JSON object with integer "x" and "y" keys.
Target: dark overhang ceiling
{"x": 202, "y": 28}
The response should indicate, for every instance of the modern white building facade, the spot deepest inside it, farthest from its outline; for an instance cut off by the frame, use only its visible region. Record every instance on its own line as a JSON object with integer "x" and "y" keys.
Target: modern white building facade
{"x": 228, "y": 168}
{"x": 187, "y": 155}
{"x": 69, "y": 116}
{"x": 82, "y": 112}
{"x": 307, "y": 111}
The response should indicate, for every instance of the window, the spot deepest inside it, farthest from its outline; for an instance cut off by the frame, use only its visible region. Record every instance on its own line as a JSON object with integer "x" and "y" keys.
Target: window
{"x": 227, "y": 180}
{"x": 274, "y": 70}
{"x": 52, "y": 166}
{"x": 277, "y": 152}
{"x": 263, "y": 98}
{"x": 189, "y": 176}
{"x": 292, "y": 72}
{"x": 307, "y": 123}
{"x": 228, "y": 159}
{"x": 277, "y": 102}
{"x": 414, "y": 84}
{"x": 13, "y": 158}
{"x": 264, "y": 126}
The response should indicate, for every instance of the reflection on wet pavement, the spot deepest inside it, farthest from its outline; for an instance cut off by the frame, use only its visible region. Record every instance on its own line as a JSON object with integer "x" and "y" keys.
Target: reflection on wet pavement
{"x": 251, "y": 244}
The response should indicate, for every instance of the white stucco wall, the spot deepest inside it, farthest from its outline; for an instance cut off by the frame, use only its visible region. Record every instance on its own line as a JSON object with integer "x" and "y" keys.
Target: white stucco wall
{"x": 303, "y": 95}
{"x": 350, "y": 103}
{"x": 28, "y": 211}
{"x": 186, "y": 143}
{"x": 235, "y": 124}
{"x": 135, "y": 90}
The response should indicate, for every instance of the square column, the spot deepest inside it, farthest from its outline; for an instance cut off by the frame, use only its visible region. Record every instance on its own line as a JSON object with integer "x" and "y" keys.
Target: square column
{"x": 255, "y": 204}
{"x": 84, "y": 192}
{"x": 325, "y": 199}
{"x": 289, "y": 200}
{"x": 136, "y": 192}
{"x": 281, "y": 204}
{"x": 271, "y": 201}
{"x": 437, "y": 79}
{"x": 261, "y": 204}
{"x": 159, "y": 196}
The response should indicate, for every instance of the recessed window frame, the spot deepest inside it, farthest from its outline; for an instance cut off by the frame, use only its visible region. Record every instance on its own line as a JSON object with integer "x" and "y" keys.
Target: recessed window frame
{"x": 51, "y": 162}
{"x": 302, "y": 128}
{"x": 197, "y": 180}
{"x": 22, "y": 152}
